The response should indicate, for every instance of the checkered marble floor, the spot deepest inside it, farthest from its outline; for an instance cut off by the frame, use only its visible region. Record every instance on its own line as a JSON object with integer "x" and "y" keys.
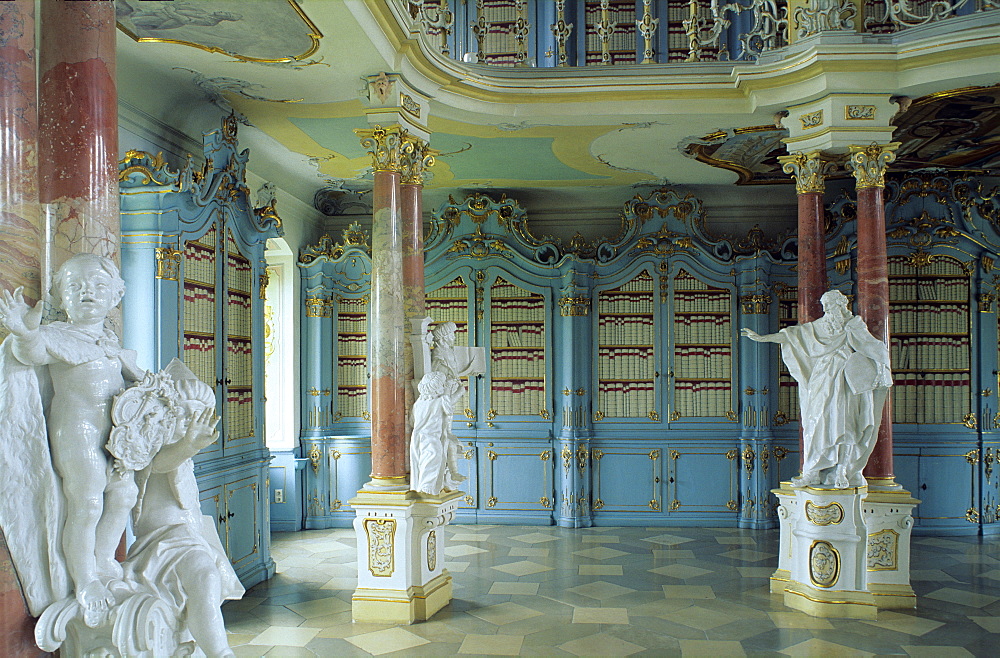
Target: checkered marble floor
{"x": 613, "y": 592}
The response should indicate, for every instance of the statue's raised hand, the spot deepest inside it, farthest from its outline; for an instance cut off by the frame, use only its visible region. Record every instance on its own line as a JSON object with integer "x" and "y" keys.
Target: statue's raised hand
{"x": 16, "y": 315}
{"x": 750, "y": 333}
{"x": 201, "y": 430}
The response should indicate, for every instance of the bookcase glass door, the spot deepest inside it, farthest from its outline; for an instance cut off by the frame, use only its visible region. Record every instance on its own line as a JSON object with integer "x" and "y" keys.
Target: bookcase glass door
{"x": 199, "y": 312}
{"x": 352, "y": 357}
{"x": 702, "y": 350}
{"x": 450, "y": 303}
{"x": 788, "y": 388}
{"x": 626, "y": 355}
{"x": 238, "y": 367}
{"x": 517, "y": 352}
{"x": 930, "y": 340}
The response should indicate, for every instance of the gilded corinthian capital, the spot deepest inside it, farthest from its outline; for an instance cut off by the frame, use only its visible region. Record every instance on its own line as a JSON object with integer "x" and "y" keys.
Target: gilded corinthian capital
{"x": 387, "y": 146}
{"x": 869, "y": 163}
{"x": 415, "y": 161}
{"x": 808, "y": 169}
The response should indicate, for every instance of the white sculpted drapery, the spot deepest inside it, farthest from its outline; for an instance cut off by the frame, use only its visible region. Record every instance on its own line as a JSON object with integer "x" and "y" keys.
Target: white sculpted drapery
{"x": 844, "y": 376}
{"x": 434, "y": 448}
{"x": 78, "y": 451}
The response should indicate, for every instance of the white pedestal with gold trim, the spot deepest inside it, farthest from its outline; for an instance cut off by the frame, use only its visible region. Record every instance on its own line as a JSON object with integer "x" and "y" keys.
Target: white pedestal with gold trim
{"x": 401, "y": 574}
{"x": 788, "y": 510}
{"x": 828, "y": 566}
{"x": 889, "y": 520}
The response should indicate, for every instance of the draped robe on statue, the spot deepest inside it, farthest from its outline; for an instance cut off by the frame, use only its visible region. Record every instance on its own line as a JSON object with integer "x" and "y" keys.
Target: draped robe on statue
{"x": 843, "y": 378}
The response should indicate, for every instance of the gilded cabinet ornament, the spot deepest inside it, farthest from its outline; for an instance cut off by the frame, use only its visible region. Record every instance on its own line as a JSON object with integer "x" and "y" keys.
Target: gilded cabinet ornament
{"x": 381, "y": 553}
{"x": 831, "y": 514}
{"x": 756, "y": 304}
{"x": 168, "y": 263}
{"x": 882, "y": 550}
{"x": 824, "y": 564}
{"x": 869, "y": 163}
{"x": 808, "y": 169}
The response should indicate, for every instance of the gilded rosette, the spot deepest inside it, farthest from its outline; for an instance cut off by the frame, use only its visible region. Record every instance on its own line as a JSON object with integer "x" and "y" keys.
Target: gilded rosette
{"x": 808, "y": 169}
{"x": 869, "y": 163}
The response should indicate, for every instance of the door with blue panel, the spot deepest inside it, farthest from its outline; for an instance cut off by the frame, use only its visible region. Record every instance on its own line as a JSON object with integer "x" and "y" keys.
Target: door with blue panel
{"x": 703, "y": 481}
{"x": 242, "y": 519}
{"x": 627, "y": 480}
{"x": 948, "y": 489}
{"x": 516, "y": 477}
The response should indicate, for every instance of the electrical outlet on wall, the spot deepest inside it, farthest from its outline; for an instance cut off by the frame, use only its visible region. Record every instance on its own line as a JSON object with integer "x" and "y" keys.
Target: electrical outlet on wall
{"x": 279, "y": 495}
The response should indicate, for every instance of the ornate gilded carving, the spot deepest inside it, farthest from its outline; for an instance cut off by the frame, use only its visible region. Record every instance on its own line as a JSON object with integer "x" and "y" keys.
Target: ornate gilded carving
{"x": 824, "y": 564}
{"x": 756, "y": 304}
{"x": 749, "y": 456}
{"x": 581, "y": 459}
{"x": 561, "y": 30}
{"x": 732, "y": 506}
{"x": 824, "y": 15}
{"x": 811, "y": 119}
{"x": 675, "y": 505}
{"x": 387, "y": 146}
{"x": 654, "y": 416}
{"x": 168, "y": 263}
{"x": 647, "y": 30}
{"x": 883, "y": 549}
{"x": 432, "y": 552}
{"x": 831, "y": 514}
{"x": 969, "y": 420}
{"x": 859, "y": 112}
{"x": 416, "y": 161}
{"x": 808, "y": 169}
{"x": 869, "y": 163}
{"x": 574, "y": 306}
{"x": 152, "y": 168}
{"x": 986, "y": 300}
{"x": 654, "y": 505}
{"x": 318, "y": 307}
{"x": 491, "y": 501}
{"x": 314, "y": 458}
{"x": 381, "y": 552}
{"x": 409, "y": 105}
{"x": 353, "y": 236}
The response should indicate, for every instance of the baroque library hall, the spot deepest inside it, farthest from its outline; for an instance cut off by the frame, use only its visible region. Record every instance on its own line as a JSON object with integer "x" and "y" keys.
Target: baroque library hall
{"x": 580, "y": 226}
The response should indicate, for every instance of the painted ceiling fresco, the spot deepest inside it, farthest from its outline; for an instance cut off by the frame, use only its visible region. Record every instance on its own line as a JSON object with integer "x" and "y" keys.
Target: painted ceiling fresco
{"x": 262, "y": 30}
{"x": 958, "y": 130}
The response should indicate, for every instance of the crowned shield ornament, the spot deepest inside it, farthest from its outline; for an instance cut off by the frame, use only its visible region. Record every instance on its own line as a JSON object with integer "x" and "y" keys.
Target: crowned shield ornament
{"x": 143, "y": 415}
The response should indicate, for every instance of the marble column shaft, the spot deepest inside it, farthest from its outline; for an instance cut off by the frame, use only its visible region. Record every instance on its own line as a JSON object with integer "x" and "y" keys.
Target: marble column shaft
{"x": 78, "y": 128}
{"x": 809, "y": 171}
{"x": 869, "y": 165}
{"x": 414, "y": 304}
{"x": 20, "y": 233}
{"x": 386, "y": 334}
{"x": 20, "y": 240}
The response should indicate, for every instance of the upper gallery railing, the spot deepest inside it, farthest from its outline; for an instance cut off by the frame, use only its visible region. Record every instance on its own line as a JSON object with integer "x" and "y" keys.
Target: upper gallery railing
{"x": 547, "y": 33}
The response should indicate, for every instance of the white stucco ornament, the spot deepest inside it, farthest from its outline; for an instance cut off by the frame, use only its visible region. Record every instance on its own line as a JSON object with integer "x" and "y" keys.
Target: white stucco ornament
{"x": 434, "y": 448}
{"x": 844, "y": 376}
{"x": 79, "y": 453}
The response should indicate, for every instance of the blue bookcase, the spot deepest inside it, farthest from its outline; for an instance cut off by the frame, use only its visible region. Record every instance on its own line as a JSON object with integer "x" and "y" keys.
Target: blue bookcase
{"x": 193, "y": 256}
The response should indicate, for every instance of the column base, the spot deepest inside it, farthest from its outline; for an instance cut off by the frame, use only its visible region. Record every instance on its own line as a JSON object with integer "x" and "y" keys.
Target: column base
{"x": 779, "y": 581}
{"x": 389, "y": 606}
{"x": 400, "y": 535}
{"x": 889, "y": 522}
{"x": 830, "y": 603}
{"x": 893, "y": 597}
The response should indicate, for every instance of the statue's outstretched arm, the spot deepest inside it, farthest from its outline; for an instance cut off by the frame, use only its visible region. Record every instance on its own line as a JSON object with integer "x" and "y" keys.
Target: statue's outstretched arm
{"x": 759, "y": 338}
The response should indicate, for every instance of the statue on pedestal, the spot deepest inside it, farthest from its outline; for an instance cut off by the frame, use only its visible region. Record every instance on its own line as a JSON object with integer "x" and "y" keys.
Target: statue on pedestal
{"x": 844, "y": 376}
{"x": 434, "y": 448}
{"x": 79, "y": 450}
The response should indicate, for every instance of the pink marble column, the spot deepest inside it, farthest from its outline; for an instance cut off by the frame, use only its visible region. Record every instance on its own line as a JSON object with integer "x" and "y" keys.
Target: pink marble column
{"x": 809, "y": 171}
{"x": 386, "y": 320}
{"x": 20, "y": 240}
{"x": 20, "y": 233}
{"x": 78, "y": 127}
{"x": 869, "y": 164}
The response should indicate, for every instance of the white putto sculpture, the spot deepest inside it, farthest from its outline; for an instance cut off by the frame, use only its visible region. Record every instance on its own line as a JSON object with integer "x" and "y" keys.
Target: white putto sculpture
{"x": 434, "y": 448}
{"x": 79, "y": 451}
{"x": 844, "y": 376}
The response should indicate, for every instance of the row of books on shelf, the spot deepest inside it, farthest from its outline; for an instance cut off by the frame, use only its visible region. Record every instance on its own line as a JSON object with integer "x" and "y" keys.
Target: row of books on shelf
{"x": 351, "y": 323}
{"x": 700, "y": 368}
{"x": 642, "y": 282}
{"x": 352, "y": 370}
{"x": 702, "y": 399}
{"x": 702, "y": 329}
{"x": 514, "y": 398}
{"x": 684, "y": 281}
{"x": 352, "y": 345}
{"x": 239, "y": 276}
{"x": 199, "y": 265}
{"x": 626, "y": 399}
{"x": 199, "y": 356}
{"x": 614, "y": 301}
{"x": 702, "y": 301}
{"x": 456, "y": 288}
{"x": 352, "y": 402}
{"x": 941, "y": 398}
{"x": 448, "y": 310}
{"x": 929, "y": 289}
{"x": 517, "y": 336}
{"x": 930, "y": 352}
{"x": 788, "y": 399}
{"x": 626, "y": 363}
{"x": 502, "y": 289}
{"x": 903, "y": 266}
{"x": 625, "y": 330}
{"x": 943, "y": 318}
{"x": 517, "y": 363}
{"x": 518, "y": 310}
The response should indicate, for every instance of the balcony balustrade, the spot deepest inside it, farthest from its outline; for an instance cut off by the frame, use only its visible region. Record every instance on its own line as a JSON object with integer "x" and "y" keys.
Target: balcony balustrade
{"x": 574, "y": 33}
